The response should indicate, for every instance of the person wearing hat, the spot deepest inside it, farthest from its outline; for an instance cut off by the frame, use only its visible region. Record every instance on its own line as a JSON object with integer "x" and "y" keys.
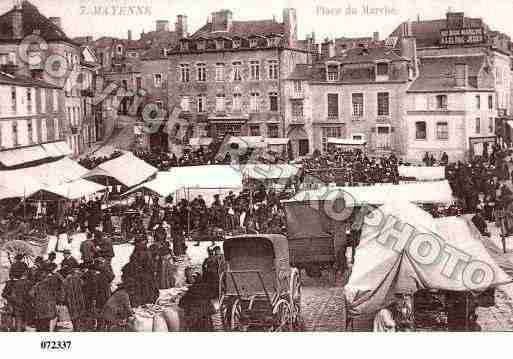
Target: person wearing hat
{"x": 73, "y": 295}
{"x": 16, "y": 294}
{"x": 68, "y": 260}
{"x": 44, "y": 295}
{"x": 18, "y": 268}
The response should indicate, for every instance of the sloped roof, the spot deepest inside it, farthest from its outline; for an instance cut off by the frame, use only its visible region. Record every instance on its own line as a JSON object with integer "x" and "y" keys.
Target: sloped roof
{"x": 438, "y": 74}
{"x": 302, "y": 72}
{"x": 427, "y": 32}
{"x": 19, "y": 80}
{"x": 243, "y": 29}
{"x": 365, "y": 55}
{"x": 32, "y": 21}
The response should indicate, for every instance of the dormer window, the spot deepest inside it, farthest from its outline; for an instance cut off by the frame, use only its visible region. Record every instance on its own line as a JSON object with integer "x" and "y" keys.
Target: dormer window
{"x": 273, "y": 42}
{"x": 220, "y": 44}
{"x": 184, "y": 46}
{"x": 119, "y": 50}
{"x": 332, "y": 72}
{"x": 382, "y": 71}
{"x": 200, "y": 45}
{"x": 253, "y": 43}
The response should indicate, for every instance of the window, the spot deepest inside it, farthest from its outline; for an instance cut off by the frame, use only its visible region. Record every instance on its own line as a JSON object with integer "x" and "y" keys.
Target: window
{"x": 383, "y": 104}
{"x": 236, "y": 43}
{"x": 357, "y": 100}
{"x": 332, "y": 105}
{"x": 202, "y": 103}
{"x": 272, "y": 131}
{"x": 478, "y": 102}
{"x": 13, "y": 99}
{"x": 253, "y": 42}
{"x": 125, "y": 84}
{"x": 56, "y": 127}
{"x": 273, "y": 101}
{"x": 219, "y": 72}
{"x": 478, "y": 125}
{"x": 420, "y": 130}
{"x": 254, "y": 130}
{"x": 273, "y": 69}
{"x": 30, "y": 135}
{"x": 490, "y": 125}
{"x": 220, "y": 102}
{"x": 237, "y": 75}
{"x": 15, "y": 134}
{"x": 254, "y": 102}
{"x": 120, "y": 50}
{"x": 157, "y": 80}
{"x": 138, "y": 82}
{"x": 185, "y": 103}
{"x": 43, "y": 100}
{"x": 441, "y": 102}
{"x": 200, "y": 45}
{"x": 202, "y": 72}
{"x": 297, "y": 108}
{"x": 35, "y": 137}
{"x": 332, "y": 71}
{"x": 490, "y": 102}
{"x": 220, "y": 44}
{"x": 237, "y": 102}
{"x": 184, "y": 73}
{"x": 29, "y": 100}
{"x": 51, "y": 129}
{"x": 184, "y": 46}
{"x": 44, "y": 131}
{"x": 329, "y": 132}
{"x": 297, "y": 86}
{"x": 55, "y": 100}
{"x": 382, "y": 69}
{"x": 442, "y": 131}
{"x": 254, "y": 67}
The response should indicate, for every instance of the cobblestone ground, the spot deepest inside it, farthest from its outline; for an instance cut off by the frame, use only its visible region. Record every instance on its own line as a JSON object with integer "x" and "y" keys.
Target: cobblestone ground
{"x": 323, "y": 309}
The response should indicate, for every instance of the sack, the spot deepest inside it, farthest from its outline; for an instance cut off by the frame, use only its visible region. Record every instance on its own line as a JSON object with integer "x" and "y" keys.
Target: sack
{"x": 159, "y": 323}
{"x": 143, "y": 321}
{"x": 173, "y": 316}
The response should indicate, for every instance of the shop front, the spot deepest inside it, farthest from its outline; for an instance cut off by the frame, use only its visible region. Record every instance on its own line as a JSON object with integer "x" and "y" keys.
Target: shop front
{"x": 481, "y": 146}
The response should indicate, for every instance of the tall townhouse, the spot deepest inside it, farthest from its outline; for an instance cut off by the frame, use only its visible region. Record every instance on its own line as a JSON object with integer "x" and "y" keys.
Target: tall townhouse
{"x": 57, "y": 62}
{"x": 31, "y": 121}
{"x": 227, "y": 77}
{"x": 465, "y": 80}
{"x": 355, "y": 95}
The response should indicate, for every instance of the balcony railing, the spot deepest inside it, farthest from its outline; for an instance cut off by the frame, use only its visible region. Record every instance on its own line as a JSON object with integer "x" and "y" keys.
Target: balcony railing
{"x": 382, "y": 118}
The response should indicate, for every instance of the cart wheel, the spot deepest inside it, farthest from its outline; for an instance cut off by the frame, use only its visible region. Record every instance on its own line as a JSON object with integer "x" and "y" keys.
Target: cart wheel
{"x": 235, "y": 320}
{"x": 295, "y": 299}
{"x": 283, "y": 316}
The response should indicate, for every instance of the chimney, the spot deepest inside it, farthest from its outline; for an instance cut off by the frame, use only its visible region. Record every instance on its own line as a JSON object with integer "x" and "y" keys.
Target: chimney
{"x": 290, "y": 25}
{"x": 161, "y": 25}
{"x": 17, "y": 22}
{"x": 222, "y": 20}
{"x": 56, "y": 21}
{"x": 375, "y": 36}
{"x": 129, "y": 35}
{"x": 181, "y": 26}
{"x": 461, "y": 75}
{"x": 327, "y": 49}
{"x": 409, "y": 51}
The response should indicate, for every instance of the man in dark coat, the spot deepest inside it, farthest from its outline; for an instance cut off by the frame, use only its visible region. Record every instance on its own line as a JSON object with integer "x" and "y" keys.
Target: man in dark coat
{"x": 45, "y": 294}
{"x": 73, "y": 296}
{"x": 18, "y": 267}
{"x": 68, "y": 261}
{"x": 16, "y": 292}
{"x": 117, "y": 309}
{"x": 104, "y": 247}
{"x": 88, "y": 249}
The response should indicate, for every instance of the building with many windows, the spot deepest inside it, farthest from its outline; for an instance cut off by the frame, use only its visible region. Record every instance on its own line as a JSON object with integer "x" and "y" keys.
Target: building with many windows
{"x": 357, "y": 95}
{"x": 31, "y": 117}
{"x": 227, "y": 76}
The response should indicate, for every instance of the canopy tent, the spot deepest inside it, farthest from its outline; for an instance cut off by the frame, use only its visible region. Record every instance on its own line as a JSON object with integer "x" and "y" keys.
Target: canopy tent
{"x": 213, "y": 177}
{"x": 423, "y": 173}
{"x": 18, "y": 156}
{"x": 385, "y": 265}
{"x": 269, "y": 171}
{"x": 416, "y": 192}
{"x": 26, "y": 181}
{"x": 277, "y": 144}
{"x": 346, "y": 141}
{"x": 70, "y": 190}
{"x": 127, "y": 169}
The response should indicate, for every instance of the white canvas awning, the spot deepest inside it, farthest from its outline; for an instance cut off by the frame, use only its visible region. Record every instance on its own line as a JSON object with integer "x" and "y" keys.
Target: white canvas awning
{"x": 17, "y": 156}
{"x": 269, "y": 172}
{"x": 127, "y": 169}
{"x": 73, "y": 190}
{"x": 200, "y": 141}
{"x": 346, "y": 141}
{"x": 423, "y": 173}
{"x": 278, "y": 141}
{"x": 415, "y": 192}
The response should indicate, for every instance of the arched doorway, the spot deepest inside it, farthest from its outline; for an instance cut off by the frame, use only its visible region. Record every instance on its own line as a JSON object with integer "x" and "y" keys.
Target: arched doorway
{"x": 299, "y": 141}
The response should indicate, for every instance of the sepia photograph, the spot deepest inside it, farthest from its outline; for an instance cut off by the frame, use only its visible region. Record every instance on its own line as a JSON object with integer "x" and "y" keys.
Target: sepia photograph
{"x": 266, "y": 166}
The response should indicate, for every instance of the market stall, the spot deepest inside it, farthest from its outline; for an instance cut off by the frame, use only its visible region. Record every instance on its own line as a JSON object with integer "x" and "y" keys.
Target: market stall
{"x": 347, "y": 144}
{"x": 388, "y": 266}
{"x": 422, "y": 173}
